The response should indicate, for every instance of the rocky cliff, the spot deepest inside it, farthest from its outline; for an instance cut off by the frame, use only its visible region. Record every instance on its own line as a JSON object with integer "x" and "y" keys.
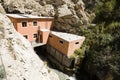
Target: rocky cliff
{"x": 17, "y": 58}
{"x": 23, "y": 64}
{"x": 102, "y": 63}
{"x": 67, "y": 13}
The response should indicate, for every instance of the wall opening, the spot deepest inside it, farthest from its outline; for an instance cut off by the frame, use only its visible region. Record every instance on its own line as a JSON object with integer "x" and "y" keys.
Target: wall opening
{"x": 24, "y": 24}
{"x": 77, "y": 43}
{"x": 61, "y": 42}
{"x": 34, "y": 23}
{"x": 35, "y": 35}
{"x": 41, "y": 39}
{"x": 26, "y": 36}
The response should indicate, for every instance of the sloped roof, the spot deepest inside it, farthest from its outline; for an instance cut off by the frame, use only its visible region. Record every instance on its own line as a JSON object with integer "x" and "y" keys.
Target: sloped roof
{"x": 67, "y": 36}
{"x": 26, "y": 16}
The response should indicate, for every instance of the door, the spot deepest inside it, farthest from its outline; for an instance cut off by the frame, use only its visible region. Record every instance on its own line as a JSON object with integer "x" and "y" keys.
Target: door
{"x": 41, "y": 39}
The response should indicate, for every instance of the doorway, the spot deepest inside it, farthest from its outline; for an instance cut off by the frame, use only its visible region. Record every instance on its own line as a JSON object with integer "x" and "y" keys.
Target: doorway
{"x": 41, "y": 39}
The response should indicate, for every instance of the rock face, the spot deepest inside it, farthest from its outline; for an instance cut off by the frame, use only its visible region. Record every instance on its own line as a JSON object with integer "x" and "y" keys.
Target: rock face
{"x": 18, "y": 57}
{"x": 2, "y": 9}
{"x": 67, "y": 13}
{"x": 90, "y": 4}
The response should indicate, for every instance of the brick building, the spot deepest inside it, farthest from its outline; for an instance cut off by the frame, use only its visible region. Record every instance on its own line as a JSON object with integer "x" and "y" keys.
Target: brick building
{"x": 59, "y": 45}
{"x": 34, "y": 28}
{"x": 66, "y": 43}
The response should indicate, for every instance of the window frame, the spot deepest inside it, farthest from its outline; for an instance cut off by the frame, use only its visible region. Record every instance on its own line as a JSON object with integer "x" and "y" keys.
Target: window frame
{"x": 35, "y": 35}
{"x": 35, "y": 21}
{"x": 22, "y": 23}
{"x": 77, "y": 43}
{"x": 61, "y": 42}
{"x": 26, "y": 36}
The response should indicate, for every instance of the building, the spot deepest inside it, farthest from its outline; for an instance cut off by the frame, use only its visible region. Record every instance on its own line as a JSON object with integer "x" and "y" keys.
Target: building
{"x": 60, "y": 46}
{"x": 34, "y": 28}
{"x": 66, "y": 43}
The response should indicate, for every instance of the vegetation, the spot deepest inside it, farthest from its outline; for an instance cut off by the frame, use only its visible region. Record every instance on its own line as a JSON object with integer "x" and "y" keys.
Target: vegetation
{"x": 2, "y": 73}
{"x": 79, "y": 52}
{"x": 102, "y": 45}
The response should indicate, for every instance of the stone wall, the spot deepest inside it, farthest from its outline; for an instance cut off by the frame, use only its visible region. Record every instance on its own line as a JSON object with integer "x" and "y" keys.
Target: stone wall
{"x": 60, "y": 57}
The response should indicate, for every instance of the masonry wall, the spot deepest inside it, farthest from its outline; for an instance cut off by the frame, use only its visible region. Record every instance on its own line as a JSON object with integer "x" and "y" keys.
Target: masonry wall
{"x": 67, "y": 48}
{"x": 45, "y": 35}
{"x": 14, "y": 22}
{"x": 73, "y": 45}
{"x": 56, "y": 43}
{"x": 45, "y": 23}
{"x": 30, "y": 30}
{"x": 60, "y": 57}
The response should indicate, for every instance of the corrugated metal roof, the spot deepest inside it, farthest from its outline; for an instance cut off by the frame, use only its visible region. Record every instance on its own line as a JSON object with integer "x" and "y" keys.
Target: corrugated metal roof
{"x": 67, "y": 36}
{"x": 26, "y": 16}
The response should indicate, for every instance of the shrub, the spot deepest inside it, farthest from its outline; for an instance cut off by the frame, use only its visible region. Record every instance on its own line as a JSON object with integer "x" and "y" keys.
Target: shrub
{"x": 2, "y": 72}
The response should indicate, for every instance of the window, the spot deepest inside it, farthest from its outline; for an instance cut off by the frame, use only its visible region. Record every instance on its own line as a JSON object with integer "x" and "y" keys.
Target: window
{"x": 41, "y": 38}
{"x": 77, "y": 43}
{"x": 34, "y": 23}
{"x": 35, "y": 35}
{"x": 61, "y": 42}
{"x": 50, "y": 36}
{"x": 25, "y": 36}
{"x": 24, "y": 24}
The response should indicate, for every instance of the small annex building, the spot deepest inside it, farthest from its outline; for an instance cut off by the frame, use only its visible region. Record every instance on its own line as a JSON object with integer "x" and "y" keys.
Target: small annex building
{"x": 66, "y": 43}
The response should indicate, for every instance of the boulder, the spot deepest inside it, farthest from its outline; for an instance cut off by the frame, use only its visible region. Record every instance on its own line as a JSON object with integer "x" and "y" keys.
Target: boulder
{"x": 63, "y": 11}
{"x": 2, "y": 9}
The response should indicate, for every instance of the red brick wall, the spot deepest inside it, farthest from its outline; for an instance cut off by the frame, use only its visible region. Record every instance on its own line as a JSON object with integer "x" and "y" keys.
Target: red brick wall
{"x": 66, "y": 48}
{"x": 73, "y": 46}
{"x": 14, "y": 21}
{"x": 30, "y": 29}
{"x": 55, "y": 42}
{"x": 45, "y": 23}
{"x": 45, "y": 35}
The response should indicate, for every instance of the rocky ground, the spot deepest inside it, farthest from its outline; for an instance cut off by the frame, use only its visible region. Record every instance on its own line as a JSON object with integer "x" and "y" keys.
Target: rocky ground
{"x": 18, "y": 57}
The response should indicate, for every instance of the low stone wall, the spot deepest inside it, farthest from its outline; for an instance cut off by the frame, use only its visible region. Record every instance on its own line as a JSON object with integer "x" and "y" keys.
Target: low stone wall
{"x": 60, "y": 66}
{"x": 60, "y": 58}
